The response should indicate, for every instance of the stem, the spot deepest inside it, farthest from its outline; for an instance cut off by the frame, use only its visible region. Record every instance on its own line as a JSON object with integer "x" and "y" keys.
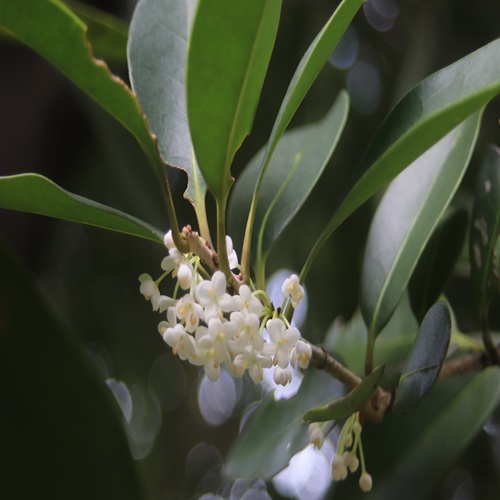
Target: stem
{"x": 247, "y": 241}
{"x": 488, "y": 341}
{"x": 179, "y": 241}
{"x": 370, "y": 346}
{"x": 221, "y": 237}
{"x": 201, "y": 216}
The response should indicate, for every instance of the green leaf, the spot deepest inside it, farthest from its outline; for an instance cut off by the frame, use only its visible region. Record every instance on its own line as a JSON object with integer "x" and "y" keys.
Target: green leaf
{"x": 51, "y": 29}
{"x": 107, "y": 34}
{"x": 306, "y": 73}
{"x": 484, "y": 233}
{"x": 229, "y": 51}
{"x": 427, "y": 113}
{"x": 295, "y": 168}
{"x": 425, "y": 360}
{"x": 405, "y": 219}
{"x": 275, "y": 431}
{"x": 437, "y": 262}
{"x": 345, "y": 406}
{"x": 443, "y": 438}
{"x": 62, "y": 430}
{"x": 311, "y": 64}
{"x": 36, "y": 194}
{"x": 157, "y": 54}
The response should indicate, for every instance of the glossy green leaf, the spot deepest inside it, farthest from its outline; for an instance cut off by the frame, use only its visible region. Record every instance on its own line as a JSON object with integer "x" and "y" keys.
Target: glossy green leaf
{"x": 484, "y": 233}
{"x": 345, "y": 406}
{"x": 63, "y": 432}
{"x": 309, "y": 68}
{"x": 36, "y": 194}
{"x": 107, "y": 34}
{"x": 229, "y": 51}
{"x": 50, "y": 28}
{"x": 311, "y": 64}
{"x": 157, "y": 54}
{"x": 437, "y": 262}
{"x": 295, "y": 168}
{"x": 444, "y": 437}
{"x": 425, "y": 360}
{"x": 275, "y": 431}
{"x": 427, "y": 113}
{"x": 405, "y": 219}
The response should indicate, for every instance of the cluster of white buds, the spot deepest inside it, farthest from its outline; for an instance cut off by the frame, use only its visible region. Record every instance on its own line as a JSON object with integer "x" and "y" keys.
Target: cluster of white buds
{"x": 209, "y": 327}
{"x": 348, "y": 448}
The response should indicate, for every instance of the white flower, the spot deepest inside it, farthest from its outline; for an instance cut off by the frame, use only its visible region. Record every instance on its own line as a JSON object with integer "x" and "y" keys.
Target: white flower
{"x": 301, "y": 354}
{"x": 282, "y": 377}
{"x": 216, "y": 337}
{"x": 168, "y": 240}
{"x": 150, "y": 290}
{"x": 213, "y": 297}
{"x": 283, "y": 340}
{"x": 250, "y": 360}
{"x": 180, "y": 341}
{"x": 176, "y": 262}
{"x": 190, "y": 312}
{"x": 316, "y": 435}
{"x": 170, "y": 323}
{"x": 247, "y": 302}
{"x": 365, "y": 482}
{"x": 205, "y": 355}
{"x": 292, "y": 289}
{"x": 148, "y": 287}
{"x": 248, "y": 332}
{"x": 231, "y": 254}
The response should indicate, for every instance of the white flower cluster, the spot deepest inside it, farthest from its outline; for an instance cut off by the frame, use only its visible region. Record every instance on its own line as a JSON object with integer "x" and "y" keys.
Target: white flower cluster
{"x": 345, "y": 459}
{"x": 209, "y": 327}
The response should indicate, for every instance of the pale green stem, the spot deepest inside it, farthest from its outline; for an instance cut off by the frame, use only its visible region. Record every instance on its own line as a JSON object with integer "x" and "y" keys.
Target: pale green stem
{"x": 179, "y": 241}
{"x": 221, "y": 238}
{"x": 201, "y": 216}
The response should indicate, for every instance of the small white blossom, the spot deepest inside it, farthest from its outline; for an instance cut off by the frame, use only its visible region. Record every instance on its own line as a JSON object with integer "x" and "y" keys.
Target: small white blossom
{"x": 213, "y": 297}
{"x": 180, "y": 341}
{"x": 282, "y": 376}
{"x": 168, "y": 240}
{"x": 247, "y": 332}
{"x": 216, "y": 337}
{"x": 170, "y": 323}
{"x": 301, "y": 354}
{"x": 365, "y": 482}
{"x": 231, "y": 254}
{"x": 250, "y": 360}
{"x": 292, "y": 289}
{"x": 316, "y": 435}
{"x": 283, "y": 340}
{"x": 190, "y": 312}
{"x": 247, "y": 302}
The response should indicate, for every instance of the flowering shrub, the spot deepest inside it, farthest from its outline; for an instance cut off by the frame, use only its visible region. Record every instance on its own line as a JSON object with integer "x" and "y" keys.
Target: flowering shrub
{"x": 197, "y": 68}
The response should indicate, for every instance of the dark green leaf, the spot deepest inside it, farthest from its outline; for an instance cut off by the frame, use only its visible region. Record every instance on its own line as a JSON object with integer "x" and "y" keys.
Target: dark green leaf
{"x": 484, "y": 233}
{"x": 62, "y": 432}
{"x": 446, "y": 436}
{"x": 437, "y": 262}
{"x": 107, "y": 33}
{"x": 428, "y": 112}
{"x": 39, "y": 195}
{"x": 296, "y": 166}
{"x": 424, "y": 362}
{"x": 51, "y": 29}
{"x": 405, "y": 219}
{"x": 157, "y": 54}
{"x": 310, "y": 65}
{"x": 275, "y": 432}
{"x": 229, "y": 51}
{"x": 406, "y": 454}
{"x": 345, "y": 406}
